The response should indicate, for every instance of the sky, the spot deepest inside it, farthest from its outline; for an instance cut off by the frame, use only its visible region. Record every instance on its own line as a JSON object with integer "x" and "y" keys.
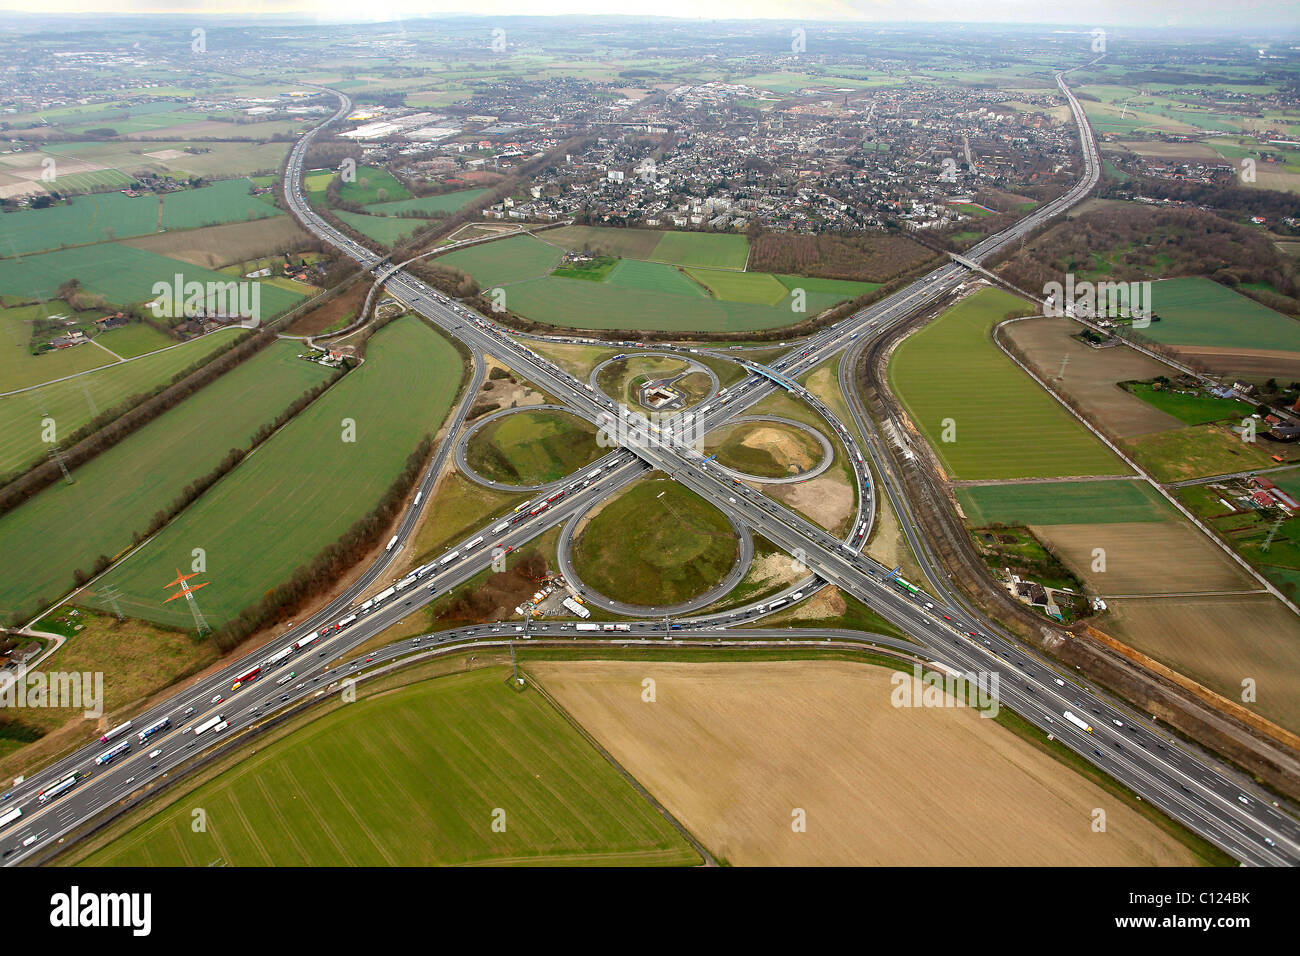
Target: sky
{"x": 1241, "y": 15}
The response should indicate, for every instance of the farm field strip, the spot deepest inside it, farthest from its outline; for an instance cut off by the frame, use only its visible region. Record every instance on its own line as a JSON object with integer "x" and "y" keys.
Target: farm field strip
{"x": 66, "y": 527}
{"x": 305, "y": 486}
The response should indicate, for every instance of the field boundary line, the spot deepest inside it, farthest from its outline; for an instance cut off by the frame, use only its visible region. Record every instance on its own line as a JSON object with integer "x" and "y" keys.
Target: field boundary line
{"x": 707, "y": 857}
{"x": 1244, "y": 714}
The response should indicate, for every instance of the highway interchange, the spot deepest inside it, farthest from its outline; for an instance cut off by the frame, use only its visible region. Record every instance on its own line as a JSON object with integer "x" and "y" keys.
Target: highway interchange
{"x": 1208, "y": 797}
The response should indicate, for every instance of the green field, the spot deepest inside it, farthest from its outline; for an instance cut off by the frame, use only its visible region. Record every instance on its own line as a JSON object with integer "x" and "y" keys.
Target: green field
{"x": 428, "y": 205}
{"x": 694, "y": 249}
{"x": 574, "y": 303}
{"x": 757, "y": 287}
{"x": 305, "y": 486}
{"x": 505, "y": 261}
{"x": 226, "y": 201}
{"x": 653, "y": 277}
{"x": 388, "y": 230}
{"x": 108, "y": 216}
{"x": 122, "y": 274}
{"x": 954, "y": 380}
{"x": 1199, "y": 311}
{"x": 369, "y": 183}
{"x": 621, "y": 378}
{"x": 1062, "y": 502}
{"x": 98, "y": 218}
{"x": 66, "y": 527}
{"x": 1192, "y": 409}
{"x": 532, "y": 448}
{"x": 657, "y": 543}
{"x": 840, "y": 288}
{"x": 75, "y": 402}
{"x": 413, "y": 778}
{"x": 20, "y": 368}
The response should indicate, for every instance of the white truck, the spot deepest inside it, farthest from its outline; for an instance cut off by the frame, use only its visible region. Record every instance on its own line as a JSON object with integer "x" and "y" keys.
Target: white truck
{"x": 1081, "y": 724}
{"x": 586, "y": 627}
{"x": 210, "y": 724}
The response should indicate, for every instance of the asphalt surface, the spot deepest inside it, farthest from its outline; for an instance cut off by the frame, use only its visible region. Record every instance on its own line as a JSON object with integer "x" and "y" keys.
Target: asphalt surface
{"x": 1211, "y": 799}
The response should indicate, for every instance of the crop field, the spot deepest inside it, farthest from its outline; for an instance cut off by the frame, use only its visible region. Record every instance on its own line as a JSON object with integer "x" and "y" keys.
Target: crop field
{"x": 653, "y": 277}
{"x": 604, "y": 305}
{"x": 428, "y": 205}
{"x": 66, "y": 527}
{"x": 505, "y": 261}
{"x": 691, "y": 249}
{"x": 75, "y": 402}
{"x": 1128, "y": 549}
{"x": 657, "y": 543}
{"x": 305, "y": 486}
{"x": 702, "y": 249}
{"x": 109, "y": 216}
{"x": 1218, "y": 640}
{"x": 760, "y": 288}
{"x": 85, "y": 219}
{"x": 1198, "y": 311}
{"x": 840, "y": 288}
{"x": 1196, "y": 451}
{"x": 1089, "y": 376}
{"x": 953, "y": 380}
{"x": 120, "y": 273}
{"x": 532, "y": 448}
{"x": 1062, "y": 502}
{"x": 221, "y": 159}
{"x": 227, "y": 201}
{"x": 484, "y": 749}
{"x": 765, "y": 449}
{"x": 213, "y": 247}
{"x": 816, "y": 735}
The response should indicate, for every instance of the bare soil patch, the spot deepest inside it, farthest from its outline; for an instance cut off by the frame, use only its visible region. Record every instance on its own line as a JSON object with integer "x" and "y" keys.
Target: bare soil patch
{"x": 879, "y": 785}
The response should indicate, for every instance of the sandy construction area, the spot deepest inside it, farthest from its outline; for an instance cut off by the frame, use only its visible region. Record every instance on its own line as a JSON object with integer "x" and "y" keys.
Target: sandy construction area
{"x": 1090, "y": 375}
{"x": 733, "y": 749}
{"x": 1144, "y": 557}
{"x": 1220, "y": 641}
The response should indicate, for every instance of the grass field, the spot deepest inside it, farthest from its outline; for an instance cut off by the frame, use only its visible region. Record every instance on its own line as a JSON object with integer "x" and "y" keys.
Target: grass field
{"x": 122, "y": 274}
{"x": 1196, "y": 451}
{"x": 305, "y": 486}
{"x": 134, "y": 339}
{"x": 532, "y": 448}
{"x": 1192, "y": 409}
{"x": 77, "y": 401}
{"x": 953, "y": 380}
{"x": 1199, "y": 311}
{"x": 369, "y": 183}
{"x": 388, "y": 230}
{"x": 108, "y": 216}
{"x": 655, "y": 544}
{"x": 66, "y": 527}
{"x": 20, "y": 368}
{"x": 765, "y": 449}
{"x": 1062, "y": 502}
{"x": 818, "y": 735}
{"x": 428, "y": 205}
{"x": 620, "y": 379}
{"x": 483, "y": 749}
{"x": 506, "y": 260}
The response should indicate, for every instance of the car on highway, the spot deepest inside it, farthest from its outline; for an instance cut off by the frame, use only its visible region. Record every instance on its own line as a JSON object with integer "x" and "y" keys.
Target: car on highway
{"x": 218, "y": 699}
{"x": 155, "y": 753}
